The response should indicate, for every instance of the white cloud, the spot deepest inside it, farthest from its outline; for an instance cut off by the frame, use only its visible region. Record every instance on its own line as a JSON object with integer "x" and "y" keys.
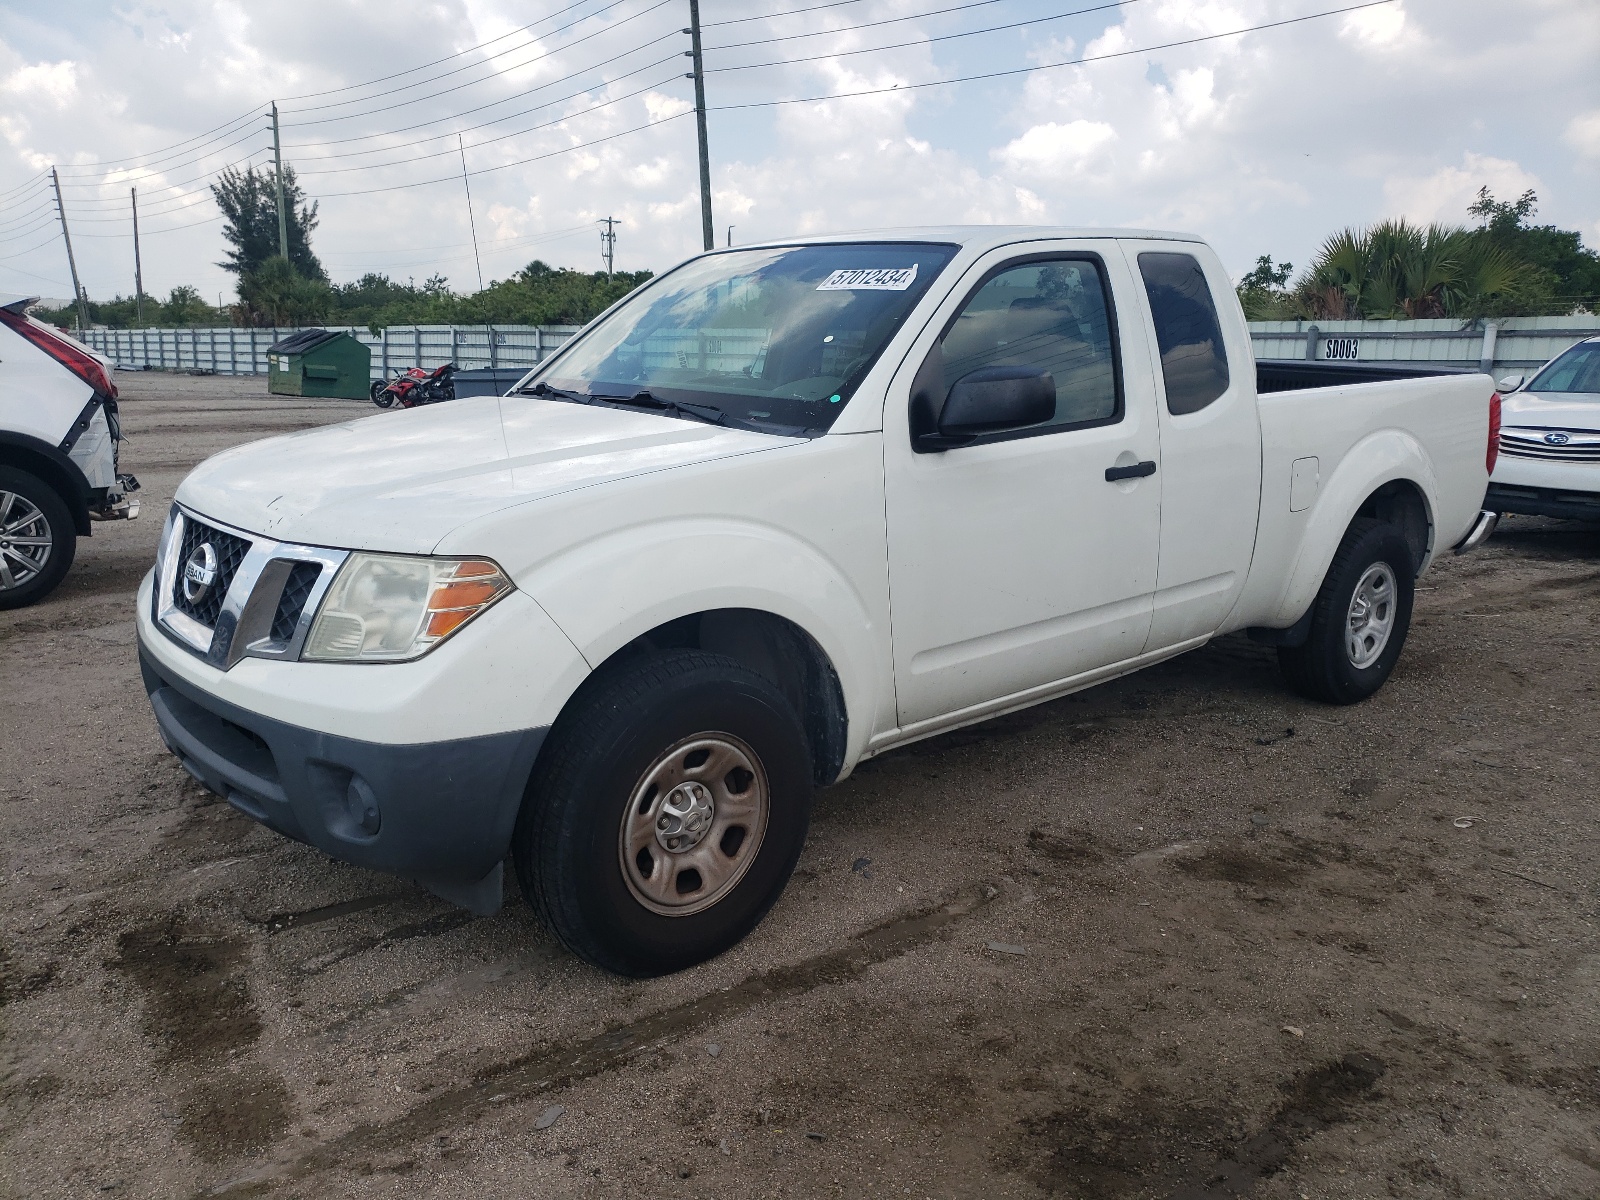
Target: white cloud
{"x": 1583, "y": 134}
{"x": 56, "y": 84}
{"x": 662, "y": 108}
{"x": 1265, "y": 143}
{"x": 1444, "y": 194}
{"x": 1378, "y": 28}
{"x": 1052, "y": 149}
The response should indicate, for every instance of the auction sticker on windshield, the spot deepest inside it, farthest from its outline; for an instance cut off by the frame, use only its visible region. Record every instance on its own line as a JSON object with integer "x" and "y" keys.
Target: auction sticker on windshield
{"x": 870, "y": 279}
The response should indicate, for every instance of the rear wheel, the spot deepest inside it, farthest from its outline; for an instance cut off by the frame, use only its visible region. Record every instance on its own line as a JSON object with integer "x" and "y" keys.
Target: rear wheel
{"x": 666, "y": 814}
{"x": 38, "y": 540}
{"x": 1359, "y": 619}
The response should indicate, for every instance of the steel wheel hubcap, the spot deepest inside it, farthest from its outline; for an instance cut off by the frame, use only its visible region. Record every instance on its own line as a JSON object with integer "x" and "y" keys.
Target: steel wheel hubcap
{"x": 1371, "y": 618}
{"x": 694, "y": 824}
{"x": 25, "y": 540}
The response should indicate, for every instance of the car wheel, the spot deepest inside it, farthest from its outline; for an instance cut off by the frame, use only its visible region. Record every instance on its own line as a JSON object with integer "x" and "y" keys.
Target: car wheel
{"x": 1359, "y": 619}
{"x": 666, "y": 812}
{"x": 38, "y": 540}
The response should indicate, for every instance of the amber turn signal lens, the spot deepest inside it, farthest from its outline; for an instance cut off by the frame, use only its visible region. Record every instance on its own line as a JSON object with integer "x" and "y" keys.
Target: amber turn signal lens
{"x": 468, "y": 594}
{"x": 441, "y": 623}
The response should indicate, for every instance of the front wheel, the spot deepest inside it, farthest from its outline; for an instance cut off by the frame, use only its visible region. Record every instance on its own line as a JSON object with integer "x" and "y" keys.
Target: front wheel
{"x": 380, "y": 393}
{"x": 666, "y": 814}
{"x": 38, "y": 540}
{"x": 1359, "y": 619}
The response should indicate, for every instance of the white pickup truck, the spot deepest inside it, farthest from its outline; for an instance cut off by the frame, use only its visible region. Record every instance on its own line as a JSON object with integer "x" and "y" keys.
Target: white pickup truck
{"x": 780, "y": 510}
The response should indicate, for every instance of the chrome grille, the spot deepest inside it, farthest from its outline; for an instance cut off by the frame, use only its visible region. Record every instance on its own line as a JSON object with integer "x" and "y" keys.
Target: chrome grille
{"x": 260, "y": 602}
{"x": 230, "y": 551}
{"x": 1552, "y": 445}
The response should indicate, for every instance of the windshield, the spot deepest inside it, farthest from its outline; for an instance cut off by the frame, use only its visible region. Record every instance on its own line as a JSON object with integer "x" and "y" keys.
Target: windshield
{"x": 774, "y": 338}
{"x": 1578, "y": 370}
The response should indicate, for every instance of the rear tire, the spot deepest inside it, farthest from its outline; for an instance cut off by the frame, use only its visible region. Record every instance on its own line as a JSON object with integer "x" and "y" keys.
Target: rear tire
{"x": 666, "y": 813}
{"x": 1359, "y": 619}
{"x": 38, "y": 539}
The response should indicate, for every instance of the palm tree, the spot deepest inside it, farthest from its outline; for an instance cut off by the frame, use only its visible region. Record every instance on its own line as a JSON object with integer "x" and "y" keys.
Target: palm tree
{"x": 1396, "y": 269}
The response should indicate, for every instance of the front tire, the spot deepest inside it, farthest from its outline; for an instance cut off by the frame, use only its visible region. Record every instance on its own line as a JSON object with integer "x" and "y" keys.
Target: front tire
{"x": 666, "y": 813}
{"x": 379, "y": 391}
{"x": 1359, "y": 620}
{"x": 38, "y": 539}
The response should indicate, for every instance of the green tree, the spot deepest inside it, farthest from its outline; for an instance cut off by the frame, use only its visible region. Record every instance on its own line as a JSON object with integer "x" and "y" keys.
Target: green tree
{"x": 249, "y": 203}
{"x": 1569, "y": 270}
{"x": 185, "y": 307}
{"x": 274, "y": 293}
{"x": 1263, "y": 292}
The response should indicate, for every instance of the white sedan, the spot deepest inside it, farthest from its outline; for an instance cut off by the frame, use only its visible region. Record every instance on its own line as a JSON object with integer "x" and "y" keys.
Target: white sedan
{"x": 1549, "y": 462}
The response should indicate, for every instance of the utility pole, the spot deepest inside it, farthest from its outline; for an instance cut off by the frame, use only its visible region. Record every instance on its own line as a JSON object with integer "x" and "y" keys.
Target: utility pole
{"x": 77, "y": 288}
{"x": 138, "y": 268}
{"x": 471, "y": 220}
{"x": 277, "y": 163}
{"x": 699, "y": 77}
{"x": 608, "y": 242}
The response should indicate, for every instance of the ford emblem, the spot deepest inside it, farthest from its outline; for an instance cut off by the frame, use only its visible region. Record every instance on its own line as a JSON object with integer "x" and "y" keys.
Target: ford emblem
{"x": 199, "y": 573}
{"x": 1557, "y": 439}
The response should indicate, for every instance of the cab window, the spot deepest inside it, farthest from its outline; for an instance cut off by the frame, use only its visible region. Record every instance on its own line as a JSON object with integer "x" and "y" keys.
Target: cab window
{"x": 1194, "y": 363}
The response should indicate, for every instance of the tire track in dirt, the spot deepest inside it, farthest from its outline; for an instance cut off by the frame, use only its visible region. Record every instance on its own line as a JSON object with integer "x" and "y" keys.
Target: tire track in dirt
{"x": 549, "y": 1068}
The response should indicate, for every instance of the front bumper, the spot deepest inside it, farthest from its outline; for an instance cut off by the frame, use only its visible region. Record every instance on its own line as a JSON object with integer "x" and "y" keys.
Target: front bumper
{"x": 441, "y": 813}
{"x": 1543, "y": 502}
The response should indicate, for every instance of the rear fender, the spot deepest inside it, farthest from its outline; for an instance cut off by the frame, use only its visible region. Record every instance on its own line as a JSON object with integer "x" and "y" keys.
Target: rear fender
{"x": 39, "y": 458}
{"x": 1381, "y": 457}
{"x": 607, "y": 592}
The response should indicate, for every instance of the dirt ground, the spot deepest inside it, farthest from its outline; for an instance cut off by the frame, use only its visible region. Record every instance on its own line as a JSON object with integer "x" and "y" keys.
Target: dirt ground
{"x": 1180, "y": 936}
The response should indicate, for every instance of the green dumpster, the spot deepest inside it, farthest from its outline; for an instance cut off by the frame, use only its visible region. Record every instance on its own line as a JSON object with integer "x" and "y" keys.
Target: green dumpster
{"x": 317, "y": 362}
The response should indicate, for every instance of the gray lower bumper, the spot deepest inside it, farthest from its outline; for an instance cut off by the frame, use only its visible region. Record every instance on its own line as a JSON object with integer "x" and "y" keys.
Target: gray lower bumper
{"x": 1543, "y": 502}
{"x": 439, "y": 812}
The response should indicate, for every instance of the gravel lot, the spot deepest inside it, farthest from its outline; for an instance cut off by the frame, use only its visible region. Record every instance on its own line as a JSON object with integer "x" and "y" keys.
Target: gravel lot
{"x": 1183, "y": 935}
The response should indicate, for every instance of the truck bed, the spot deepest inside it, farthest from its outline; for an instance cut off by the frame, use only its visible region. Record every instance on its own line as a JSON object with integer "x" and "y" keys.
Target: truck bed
{"x": 1296, "y": 374}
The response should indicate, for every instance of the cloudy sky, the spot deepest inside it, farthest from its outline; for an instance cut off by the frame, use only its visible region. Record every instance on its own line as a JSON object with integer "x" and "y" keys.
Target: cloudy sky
{"x": 1264, "y": 142}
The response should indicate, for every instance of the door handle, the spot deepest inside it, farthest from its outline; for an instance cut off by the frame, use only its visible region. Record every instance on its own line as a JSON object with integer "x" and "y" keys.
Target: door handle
{"x": 1134, "y": 471}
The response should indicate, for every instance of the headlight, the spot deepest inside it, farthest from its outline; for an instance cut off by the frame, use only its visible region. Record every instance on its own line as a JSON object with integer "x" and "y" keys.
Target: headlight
{"x": 390, "y": 607}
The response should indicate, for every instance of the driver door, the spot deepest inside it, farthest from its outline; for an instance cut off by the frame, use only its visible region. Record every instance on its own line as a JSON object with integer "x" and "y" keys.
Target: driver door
{"x": 1014, "y": 563}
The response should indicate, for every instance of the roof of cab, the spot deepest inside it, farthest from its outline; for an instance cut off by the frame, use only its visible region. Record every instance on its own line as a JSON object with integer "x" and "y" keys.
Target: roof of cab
{"x": 980, "y": 237}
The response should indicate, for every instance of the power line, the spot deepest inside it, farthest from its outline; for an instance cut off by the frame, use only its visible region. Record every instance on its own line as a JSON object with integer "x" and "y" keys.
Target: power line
{"x": 485, "y": 124}
{"x": 561, "y": 120}
{"x": 923, "y": 41}
{"x": 938, "y": 12}
{"x": 474, "y": 82}
{"x": 774, "y": 16}
{"x": 521, "y": 162}
{"x": 459, "y": 53}
{"x": 1075, "y": 62}
{"x": 106, "y": 162}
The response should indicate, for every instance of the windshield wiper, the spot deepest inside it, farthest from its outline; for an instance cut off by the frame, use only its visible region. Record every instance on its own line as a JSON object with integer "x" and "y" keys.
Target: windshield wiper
{"x": 544, "y": 389}
{"x": 708, "y": 413}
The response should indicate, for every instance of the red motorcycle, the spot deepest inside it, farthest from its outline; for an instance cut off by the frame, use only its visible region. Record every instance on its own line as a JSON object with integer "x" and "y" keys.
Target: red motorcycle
{"x": 416, "y": 386}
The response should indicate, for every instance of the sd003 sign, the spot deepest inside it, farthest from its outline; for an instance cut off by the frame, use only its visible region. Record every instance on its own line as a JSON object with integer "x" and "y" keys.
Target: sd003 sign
{"x": 1340, "y": 348}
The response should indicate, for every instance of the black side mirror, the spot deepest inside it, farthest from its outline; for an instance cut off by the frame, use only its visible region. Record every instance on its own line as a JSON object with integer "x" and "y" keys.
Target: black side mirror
{"x": 993, "y": 400}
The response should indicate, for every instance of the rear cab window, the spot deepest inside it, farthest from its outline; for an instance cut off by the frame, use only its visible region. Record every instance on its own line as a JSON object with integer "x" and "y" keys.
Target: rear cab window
{"x": 1194, "y": 362}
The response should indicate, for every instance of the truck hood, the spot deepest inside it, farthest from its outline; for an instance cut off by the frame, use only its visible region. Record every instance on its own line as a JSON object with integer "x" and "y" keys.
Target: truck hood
{"x": 401, "y": 481}
{"x": 1551, "y": 410}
